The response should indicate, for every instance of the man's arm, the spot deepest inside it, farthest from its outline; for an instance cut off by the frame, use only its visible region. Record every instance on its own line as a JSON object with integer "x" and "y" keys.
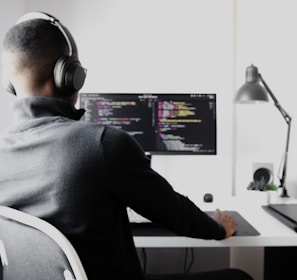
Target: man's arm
{"x": 149, "y": 194}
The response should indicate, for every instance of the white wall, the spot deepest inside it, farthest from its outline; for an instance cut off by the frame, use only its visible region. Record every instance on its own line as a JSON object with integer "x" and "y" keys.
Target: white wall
{"x": 159, "y": 46}
{"x": 189, "y": 46}
{"x": 266, "y": 37}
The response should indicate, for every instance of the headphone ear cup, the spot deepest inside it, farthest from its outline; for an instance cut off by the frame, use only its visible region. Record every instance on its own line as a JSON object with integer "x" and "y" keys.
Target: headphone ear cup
{"x": 69, "y": 75}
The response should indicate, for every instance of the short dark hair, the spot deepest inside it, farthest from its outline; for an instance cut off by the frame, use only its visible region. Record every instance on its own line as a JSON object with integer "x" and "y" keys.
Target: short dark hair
{"x": 37, "y": 44}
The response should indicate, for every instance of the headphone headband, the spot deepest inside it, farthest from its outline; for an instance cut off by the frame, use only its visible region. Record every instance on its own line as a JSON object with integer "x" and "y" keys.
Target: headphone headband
{"x": 52, "y": 20}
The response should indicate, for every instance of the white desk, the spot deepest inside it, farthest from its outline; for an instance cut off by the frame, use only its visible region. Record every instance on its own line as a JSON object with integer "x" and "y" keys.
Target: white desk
{"x": 272, "y": 232}
{"x": 246, "y": 252}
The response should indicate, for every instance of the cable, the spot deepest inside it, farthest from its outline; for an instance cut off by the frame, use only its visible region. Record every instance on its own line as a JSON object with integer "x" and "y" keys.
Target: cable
{"x": 281, "y": 167}
{"x": 144, "y": 259}
{"x": 187, "y": 267}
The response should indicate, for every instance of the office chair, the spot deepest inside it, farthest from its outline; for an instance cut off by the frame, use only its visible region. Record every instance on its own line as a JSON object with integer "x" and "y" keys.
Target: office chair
{"x": 31, "y": 248}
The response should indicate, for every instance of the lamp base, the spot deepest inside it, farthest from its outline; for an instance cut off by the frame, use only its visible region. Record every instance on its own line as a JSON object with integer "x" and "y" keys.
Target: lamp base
{"x": 284, "y": 192}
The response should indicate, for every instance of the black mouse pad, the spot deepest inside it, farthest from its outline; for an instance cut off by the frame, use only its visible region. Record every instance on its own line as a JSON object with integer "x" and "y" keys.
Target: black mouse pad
{"x": 244, "y": 228}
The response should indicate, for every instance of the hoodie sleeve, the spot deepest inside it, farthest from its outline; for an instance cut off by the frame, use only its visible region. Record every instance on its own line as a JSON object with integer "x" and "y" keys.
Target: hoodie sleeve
{"x": 138, "y": 186}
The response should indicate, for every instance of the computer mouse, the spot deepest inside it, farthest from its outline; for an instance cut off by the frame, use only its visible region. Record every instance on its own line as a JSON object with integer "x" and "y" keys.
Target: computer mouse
{"x": 208, "y": 197}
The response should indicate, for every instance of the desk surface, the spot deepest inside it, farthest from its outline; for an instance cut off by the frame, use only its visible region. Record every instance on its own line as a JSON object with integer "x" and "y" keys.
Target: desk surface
{"x": 272, "y": 232}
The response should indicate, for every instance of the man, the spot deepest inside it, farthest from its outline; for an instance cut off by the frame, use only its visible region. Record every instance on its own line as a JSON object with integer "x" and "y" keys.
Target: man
{"x": 81, "y": 176}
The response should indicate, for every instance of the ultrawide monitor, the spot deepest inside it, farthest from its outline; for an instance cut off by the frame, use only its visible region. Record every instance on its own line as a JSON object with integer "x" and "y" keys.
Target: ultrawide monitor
{"x": 165, "y": 123}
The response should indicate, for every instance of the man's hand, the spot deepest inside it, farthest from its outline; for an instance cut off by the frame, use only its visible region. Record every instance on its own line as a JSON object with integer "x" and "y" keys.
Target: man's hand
{"x": 226, "y": 220}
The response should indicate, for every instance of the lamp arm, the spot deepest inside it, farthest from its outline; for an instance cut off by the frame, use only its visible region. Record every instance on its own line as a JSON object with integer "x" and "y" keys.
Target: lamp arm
{"x": 284, "y": 175}
{"x": 288, "y": 120}
{"x": 285, "y": 115}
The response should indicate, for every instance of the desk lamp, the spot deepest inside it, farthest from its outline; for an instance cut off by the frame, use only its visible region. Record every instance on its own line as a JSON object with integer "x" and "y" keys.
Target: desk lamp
{"x": 251, "y": 92}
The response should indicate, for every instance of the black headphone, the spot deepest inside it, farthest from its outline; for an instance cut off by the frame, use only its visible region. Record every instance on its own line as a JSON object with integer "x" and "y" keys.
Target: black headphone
{"x": 69, "y": 75}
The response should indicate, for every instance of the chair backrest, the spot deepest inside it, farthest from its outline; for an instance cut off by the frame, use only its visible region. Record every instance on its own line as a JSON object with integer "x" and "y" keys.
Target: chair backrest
{"x": 31, "y": 248}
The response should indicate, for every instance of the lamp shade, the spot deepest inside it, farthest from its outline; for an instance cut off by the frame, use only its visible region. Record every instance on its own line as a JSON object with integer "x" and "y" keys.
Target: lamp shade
{"x": 252, "y": 91}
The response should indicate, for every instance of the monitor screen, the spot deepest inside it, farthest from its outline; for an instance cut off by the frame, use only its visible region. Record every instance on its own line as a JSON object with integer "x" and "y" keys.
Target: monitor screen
{"x": 177, "y": 123}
